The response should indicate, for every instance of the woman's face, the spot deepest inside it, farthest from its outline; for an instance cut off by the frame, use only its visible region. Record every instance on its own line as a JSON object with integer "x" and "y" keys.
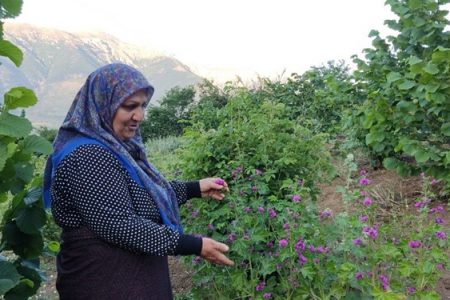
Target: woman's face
{"x": 129, "y": 115}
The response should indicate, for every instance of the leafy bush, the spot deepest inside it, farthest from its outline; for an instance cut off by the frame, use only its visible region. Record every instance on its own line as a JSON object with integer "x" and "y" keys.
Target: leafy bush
{"x": 406, "y": 77}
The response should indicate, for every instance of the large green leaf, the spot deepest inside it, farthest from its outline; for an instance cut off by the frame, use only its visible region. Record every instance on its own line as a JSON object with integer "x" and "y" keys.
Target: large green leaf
{"x": 24, "y": 171}
{"x": 8, "y": 276}
{"x": 20, "y": 97}
{"x": 431, "y": 68}
{"x": 31, "y": 219}
{"x": 14, "y": 126}
{"x": 25, "y": 245}
{"x": 390, "y": 163}
{"x": 406, "y": 85}
{"x": 3, "y": 155}
{"x": 422, "y": 156}
{"x": 37, "y": 144}
{"x": 393, "y": 76}
{"x": 10, "y": 8}
{"x": 445, "y": 129}
{"x": 24, "y": 290}
{"x": 11, "y": 51}
{"x": 440, "y": 54}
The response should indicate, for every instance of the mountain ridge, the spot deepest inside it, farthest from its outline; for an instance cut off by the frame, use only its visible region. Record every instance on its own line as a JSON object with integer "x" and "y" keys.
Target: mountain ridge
{"x": 56, "y": 64}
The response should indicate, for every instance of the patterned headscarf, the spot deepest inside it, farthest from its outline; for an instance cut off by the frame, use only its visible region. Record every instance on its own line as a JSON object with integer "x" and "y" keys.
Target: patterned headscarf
{"x": 91, "y": 115}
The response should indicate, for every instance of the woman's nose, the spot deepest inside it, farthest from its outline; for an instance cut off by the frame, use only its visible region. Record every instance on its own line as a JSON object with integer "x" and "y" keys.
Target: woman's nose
{"x": 139, "y": 114}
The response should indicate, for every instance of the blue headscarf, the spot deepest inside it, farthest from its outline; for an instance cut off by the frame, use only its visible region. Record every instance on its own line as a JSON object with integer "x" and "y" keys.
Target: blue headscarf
{"x": 89, "y": 121}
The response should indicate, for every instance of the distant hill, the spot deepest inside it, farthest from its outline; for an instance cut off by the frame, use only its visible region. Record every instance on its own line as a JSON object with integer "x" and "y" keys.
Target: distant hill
{"x": 56, "y": 64}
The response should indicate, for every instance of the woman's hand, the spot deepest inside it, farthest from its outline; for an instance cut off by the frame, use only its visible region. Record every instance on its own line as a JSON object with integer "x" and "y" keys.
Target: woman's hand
{"x": 213, "y": 187}
{"x": 213, "y": 251}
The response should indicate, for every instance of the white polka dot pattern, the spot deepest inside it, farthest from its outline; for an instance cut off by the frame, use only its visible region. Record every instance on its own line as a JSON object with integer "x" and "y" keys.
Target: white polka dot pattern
{"x": 91, "y": 188}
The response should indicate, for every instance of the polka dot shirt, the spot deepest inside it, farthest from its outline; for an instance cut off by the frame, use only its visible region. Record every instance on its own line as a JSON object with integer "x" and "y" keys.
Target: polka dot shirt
{"x": 91, "y": 188}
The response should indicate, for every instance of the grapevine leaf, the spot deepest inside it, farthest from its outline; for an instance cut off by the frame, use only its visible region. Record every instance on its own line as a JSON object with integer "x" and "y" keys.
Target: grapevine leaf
{"x": 37, "y": 144}
{"x": 20, "y": 97}
{"x": 3, "y": 155}
{"x": 14, "y": 126}
{"x": 8, "y": 276}
{"x": 406, "y": 85}
{"x": 413, "y": 60}
{"x": 393, "y": 76}
{"x": 445, "y": 129}
{"x": 31, "y": 219}
{"x": 422, "y": 156}
{"x": 390, "y": 163}
{"x": 11, "y": 9}
{"x": 11, "y": 51}
{"x": 431, "y": 68}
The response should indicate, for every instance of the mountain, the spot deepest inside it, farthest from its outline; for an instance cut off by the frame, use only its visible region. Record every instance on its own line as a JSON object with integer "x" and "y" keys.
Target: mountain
{"x": 56, "y": 64}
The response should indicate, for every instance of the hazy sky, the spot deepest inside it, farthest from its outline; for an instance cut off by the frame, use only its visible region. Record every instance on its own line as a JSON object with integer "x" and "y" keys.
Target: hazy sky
{"x": 223, "y": 38}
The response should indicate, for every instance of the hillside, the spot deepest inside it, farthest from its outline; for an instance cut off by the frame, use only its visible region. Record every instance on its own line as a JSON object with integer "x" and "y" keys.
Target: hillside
{"x": 56, "y": 63}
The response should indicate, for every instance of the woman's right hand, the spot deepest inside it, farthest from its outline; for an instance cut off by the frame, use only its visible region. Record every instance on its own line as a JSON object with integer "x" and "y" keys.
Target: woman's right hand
{"x": 213, "y": 251}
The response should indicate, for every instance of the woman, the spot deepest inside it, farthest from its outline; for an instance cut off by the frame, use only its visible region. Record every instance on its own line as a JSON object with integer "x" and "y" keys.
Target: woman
{"x": 119, "y": 216}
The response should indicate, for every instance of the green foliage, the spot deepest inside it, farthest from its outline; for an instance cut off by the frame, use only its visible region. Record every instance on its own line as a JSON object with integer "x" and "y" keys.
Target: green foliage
{"x": 167, "y": 119}
{"x": 47, "y": 133}
{"x": 406, "y": 76}
{"x": 20, "y": 189}
{"x": 162, "y": 153}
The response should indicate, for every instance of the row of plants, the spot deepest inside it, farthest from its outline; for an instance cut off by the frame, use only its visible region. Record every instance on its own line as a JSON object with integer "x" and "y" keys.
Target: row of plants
{"x": 283, "y": 246}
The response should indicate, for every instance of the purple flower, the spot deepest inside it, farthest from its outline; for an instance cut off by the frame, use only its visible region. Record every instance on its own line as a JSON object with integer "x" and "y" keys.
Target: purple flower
{"x": 440, "y": 208}
{"x": 260, "y": 286}
{"x": 364, "y": 181}
{"x": 439, "y": 220}
{"x": 321, "y": 249}
{"x": 195, "y": 213}
{"x": 286, "y": 226}
{"x": 422, "y": 174}
{"x": 411, "y": 290}
{"x": 312, "y": 249}
{"x": 258, "y": 172}
{"x": 283, "y": 243}
{"x": 232, "y": 237}
{"x": 420, "y": 204}
{"x": 357, "y": 242}
{"x": 210, "y": 227}
{"x": 302, "y": 260}
{"x": 371, "y": 232}
{"x": 196, "y": 260}
{"x": 434, "y": 181}
{"x": 272, "y": 213}
{"x": 300, "y": 246}
{"x": 219, "y": 181}
{"x": 384, "y": 282}
{"x": 260, "y": 209}
{"x": 440, "y": 266}
{"x": 247, "y": 210}
{"x": 414, "y": 244}
{"x": 367, "y": 201}
{"x": 269, "y": 244}
{"x": 441, "y": 235}
{"x": 267, "y": 295}
{"x": 364, "y": 218}
{"x": 254, "y": 189}
{"x": 362, "y": 172}
{"x": 326, "y": 213}
{"x": 359, "y": 276}
{"x": 296, "y": 198}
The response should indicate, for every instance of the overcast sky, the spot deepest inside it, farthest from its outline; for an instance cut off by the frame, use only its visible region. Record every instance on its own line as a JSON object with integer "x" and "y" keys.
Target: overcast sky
{"x": 223, "y": 38}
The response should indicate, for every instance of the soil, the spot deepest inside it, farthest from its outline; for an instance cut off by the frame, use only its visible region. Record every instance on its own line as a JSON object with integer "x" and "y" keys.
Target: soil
{"x": 397, "y": 193}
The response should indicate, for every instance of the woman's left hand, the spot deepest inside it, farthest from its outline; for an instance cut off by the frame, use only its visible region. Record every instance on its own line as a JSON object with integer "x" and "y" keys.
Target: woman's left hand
{"x": 213, "y": 187}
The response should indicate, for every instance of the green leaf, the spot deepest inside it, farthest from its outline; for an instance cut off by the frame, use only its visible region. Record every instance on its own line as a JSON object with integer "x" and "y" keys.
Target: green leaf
{"x": 406, "y": 85}
{"x": 24, "y": 290}
{"x": 33, "y": 195}
{"x": 413, "y": 60}
{"x": 12, "y": 8}
{"x": 445, "y": 130}
{"x": 431, "y": 68}
{"x": 19, "y": 97}
{"x": 14, "y": 126}
{"x": 440, "y": 54}
{"x": 31, "y": 220}
{"x": 9, "y": 277}
{"x": 390, "y": 163}
{"x": 422, "y": 156}
{"x": 37, "y": 144}
{"x": 24, "y": 171}
{"x": 26, "y": 245}
{"x": 54, "y": 246}
{"x": 393, "y": 76}
{"x": 3, "y": 155}
{"x": 11, "y": 51}
{"x": 406, "y": 107}
{"x": 415, "y": 4}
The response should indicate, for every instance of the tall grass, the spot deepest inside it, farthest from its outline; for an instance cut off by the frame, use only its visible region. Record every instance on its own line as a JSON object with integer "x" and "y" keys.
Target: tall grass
{"x": 163, "y": 154}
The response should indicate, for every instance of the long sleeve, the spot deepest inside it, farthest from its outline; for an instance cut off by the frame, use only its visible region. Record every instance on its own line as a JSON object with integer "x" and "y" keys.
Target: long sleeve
{"x": 102, "y": 197}
{"x": 186, "y": 190}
